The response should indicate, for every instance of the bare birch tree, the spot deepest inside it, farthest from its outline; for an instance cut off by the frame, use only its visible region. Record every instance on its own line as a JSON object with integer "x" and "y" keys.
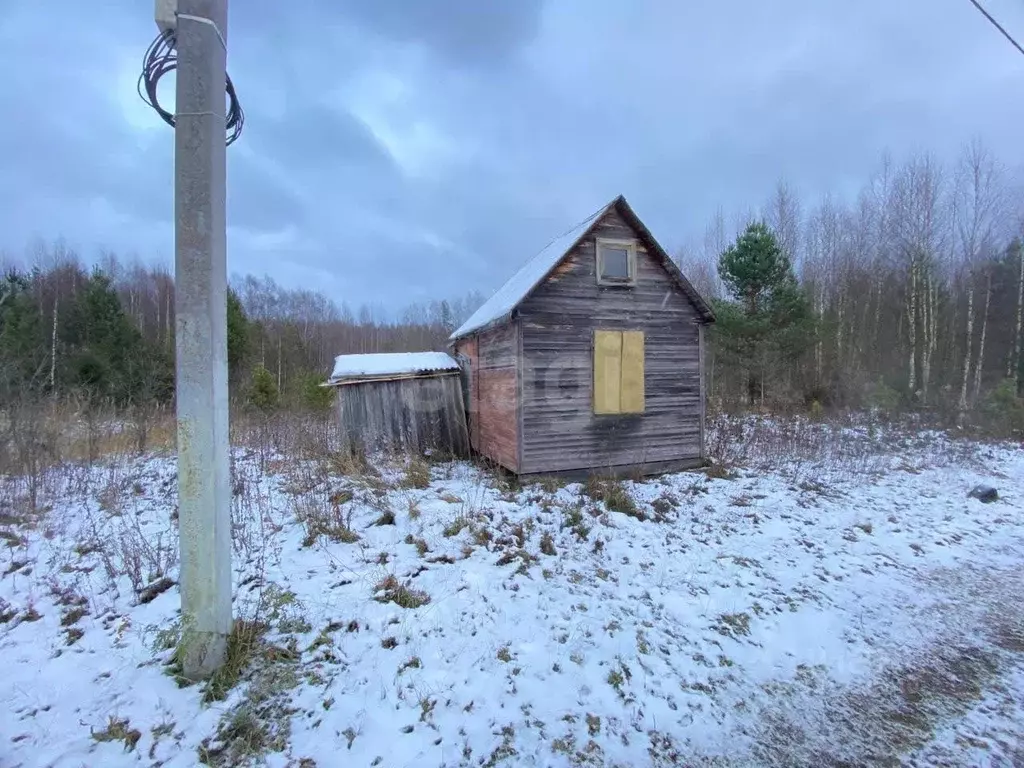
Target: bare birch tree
{"x": 977, "y": 193}
{"x": 1020, "y": 317}
{"x": 918, "y": 228}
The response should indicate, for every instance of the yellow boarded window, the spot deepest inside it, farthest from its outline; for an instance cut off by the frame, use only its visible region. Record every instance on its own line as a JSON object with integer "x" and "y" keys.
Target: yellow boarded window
{"x": 618, "y": 372}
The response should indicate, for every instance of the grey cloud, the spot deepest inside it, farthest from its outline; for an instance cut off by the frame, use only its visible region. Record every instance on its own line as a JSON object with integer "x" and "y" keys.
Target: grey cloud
{"x": 396, "y": 151}
{"x": 313, "y": 135}
{"x": 458, "y": 32}
{"x": 256, "y": 199}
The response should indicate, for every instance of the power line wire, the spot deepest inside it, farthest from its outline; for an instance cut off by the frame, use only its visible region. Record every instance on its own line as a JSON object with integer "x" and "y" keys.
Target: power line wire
{"x": 997, "y": 25}
{"x": 160, "y": 59}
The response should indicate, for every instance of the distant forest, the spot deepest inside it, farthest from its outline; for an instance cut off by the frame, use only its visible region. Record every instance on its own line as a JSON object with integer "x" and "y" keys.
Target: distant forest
{"x": 106, "y": 332}
{"x": 911, "y": 294}
{"x": 908, "y": 295}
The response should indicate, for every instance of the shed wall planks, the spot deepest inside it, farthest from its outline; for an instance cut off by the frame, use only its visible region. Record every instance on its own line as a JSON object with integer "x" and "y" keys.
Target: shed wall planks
{"x": 409, "y": 414}
{"x": 494, "y": 416}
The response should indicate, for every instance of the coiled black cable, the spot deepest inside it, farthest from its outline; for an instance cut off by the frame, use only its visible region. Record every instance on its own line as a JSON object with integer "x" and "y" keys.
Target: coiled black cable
{"x": 160, "y": 59}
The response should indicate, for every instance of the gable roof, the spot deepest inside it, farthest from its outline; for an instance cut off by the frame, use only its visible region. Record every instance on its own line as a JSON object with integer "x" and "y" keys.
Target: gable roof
{"x": 499, "y": 307}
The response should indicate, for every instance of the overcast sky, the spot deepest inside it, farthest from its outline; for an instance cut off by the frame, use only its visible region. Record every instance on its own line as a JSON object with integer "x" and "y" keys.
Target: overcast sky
{"x": 397, "y": 151}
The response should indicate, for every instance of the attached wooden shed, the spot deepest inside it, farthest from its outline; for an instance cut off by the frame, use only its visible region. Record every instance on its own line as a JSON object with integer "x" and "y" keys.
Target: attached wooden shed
{"x": 400, "y": 402}
{"x": 590, "y": 358}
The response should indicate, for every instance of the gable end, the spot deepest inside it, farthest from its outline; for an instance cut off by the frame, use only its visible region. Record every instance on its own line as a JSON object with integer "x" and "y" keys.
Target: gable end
{"x": 500, "y": 308}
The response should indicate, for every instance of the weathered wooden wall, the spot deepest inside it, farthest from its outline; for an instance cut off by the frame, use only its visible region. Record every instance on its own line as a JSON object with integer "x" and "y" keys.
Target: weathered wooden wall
{"x": 468, "y": 350}
{"x": 557, "y": 322}
{"x": 407, "y": 414}
{"x": 494, "y": 424}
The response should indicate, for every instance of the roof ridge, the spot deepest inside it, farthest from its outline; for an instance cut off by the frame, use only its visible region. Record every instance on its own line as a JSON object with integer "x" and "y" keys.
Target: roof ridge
{"x": 575, "y": 226}
{"x": 529, "y": 275}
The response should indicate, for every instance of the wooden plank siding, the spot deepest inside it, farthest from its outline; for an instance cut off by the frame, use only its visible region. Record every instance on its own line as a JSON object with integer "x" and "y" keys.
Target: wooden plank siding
{"x": 469, "y": 350}
{"x": 559, "y": 430}
{"x": 494, "y": 381}
{"x": 408, "y": 414}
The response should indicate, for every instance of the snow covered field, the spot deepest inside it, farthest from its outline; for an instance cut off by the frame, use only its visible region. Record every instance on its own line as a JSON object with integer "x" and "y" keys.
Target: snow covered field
{"x": 833, "y": 598}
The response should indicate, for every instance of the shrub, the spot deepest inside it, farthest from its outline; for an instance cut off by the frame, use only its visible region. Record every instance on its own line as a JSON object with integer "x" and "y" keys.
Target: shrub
{"x": 883, "y": 397}
{"x": 263, "y": 394}
{"x": 547, "y": 544}
{"x": 310, "y": 393}
{"x": 1003, "y": 409}
{"x": 321, "y": 517}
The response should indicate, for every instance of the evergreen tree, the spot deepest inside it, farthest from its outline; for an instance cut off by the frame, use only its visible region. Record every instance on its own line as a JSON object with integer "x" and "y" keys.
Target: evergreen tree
{"x": 239, "y": 336}
{"x": 768, "y": 320}
{"x": 106, "y": 350}
{"x": 312, "y": 395}
{"x": 263, "y": 394}
{"x": 23, "y": 344}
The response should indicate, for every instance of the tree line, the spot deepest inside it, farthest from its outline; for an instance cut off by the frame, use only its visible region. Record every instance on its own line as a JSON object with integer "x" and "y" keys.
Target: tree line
{"x": 910, "y": 294}
{"x": 102, "y": 337}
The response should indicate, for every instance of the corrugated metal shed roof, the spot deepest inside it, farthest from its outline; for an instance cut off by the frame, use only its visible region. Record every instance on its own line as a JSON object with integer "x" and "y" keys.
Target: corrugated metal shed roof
{"x": 499, "y": 307}
{"x": 390, "y": 364}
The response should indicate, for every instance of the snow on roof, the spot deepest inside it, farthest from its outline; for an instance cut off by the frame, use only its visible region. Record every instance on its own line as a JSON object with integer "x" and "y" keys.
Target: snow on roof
{"x": 506, "y": 298}
{"x": 391, "y": 363}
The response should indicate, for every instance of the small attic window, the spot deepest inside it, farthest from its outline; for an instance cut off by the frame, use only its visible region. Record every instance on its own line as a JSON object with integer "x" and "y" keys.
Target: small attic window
{"x": 616, "y": 262}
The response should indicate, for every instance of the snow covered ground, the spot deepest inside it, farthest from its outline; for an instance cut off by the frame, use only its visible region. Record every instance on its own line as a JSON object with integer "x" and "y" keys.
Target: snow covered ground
{"x": 841, "y": 602}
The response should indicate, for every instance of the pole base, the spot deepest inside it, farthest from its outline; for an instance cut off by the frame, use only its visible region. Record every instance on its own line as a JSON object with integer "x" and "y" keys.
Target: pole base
{"x": 201, "y": 654}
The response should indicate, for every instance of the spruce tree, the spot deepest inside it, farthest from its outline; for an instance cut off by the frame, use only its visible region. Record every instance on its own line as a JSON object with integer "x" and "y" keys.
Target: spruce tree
{"x": 23, "y": 344}
{"x": 768, "y": 319}
{"x": 239, "y": 334}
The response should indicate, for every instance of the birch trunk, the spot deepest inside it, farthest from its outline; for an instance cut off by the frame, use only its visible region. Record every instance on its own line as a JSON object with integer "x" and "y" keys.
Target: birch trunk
{"x": 968, "y": 341}
{"x": 980, "y": 363}
{"x": 877, "y": 361}
{"x": 928, "y": 336}
{"x": 1020, "y": 316}
{"x": 933, "y": 319}
{"x": 839, "y": 334}
{"x": 819, "y": 302}
{"x": 53, "y": 346}
{"x": 912, "y": 328}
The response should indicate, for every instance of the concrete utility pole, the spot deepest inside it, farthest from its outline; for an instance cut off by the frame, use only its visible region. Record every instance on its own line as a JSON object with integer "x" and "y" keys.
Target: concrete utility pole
{"x": 200, "y": 271}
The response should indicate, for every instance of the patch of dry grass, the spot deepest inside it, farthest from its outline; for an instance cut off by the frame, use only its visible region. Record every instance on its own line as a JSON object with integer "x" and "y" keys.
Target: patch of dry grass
{"x": 417, "y": 474}
{"x": 321, "y": 516}
{"x": 390, "y": 590}
{"x": 547, "y": 544}
{"x": 614, "y": 494}
{"x": 456, "y": 526}
{"x": 420, "y": 543}
{"x": 118, "y": 730}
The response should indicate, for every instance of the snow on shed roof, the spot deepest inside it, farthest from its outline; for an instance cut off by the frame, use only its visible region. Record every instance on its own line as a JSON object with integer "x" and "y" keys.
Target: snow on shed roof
{"x": 390, "y": 364}
{"x": 507, "y": 298}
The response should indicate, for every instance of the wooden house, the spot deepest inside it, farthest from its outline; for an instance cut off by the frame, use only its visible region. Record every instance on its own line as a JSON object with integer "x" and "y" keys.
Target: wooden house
{"x": 590, "y": 358}
{"x": 409, "y": 401}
